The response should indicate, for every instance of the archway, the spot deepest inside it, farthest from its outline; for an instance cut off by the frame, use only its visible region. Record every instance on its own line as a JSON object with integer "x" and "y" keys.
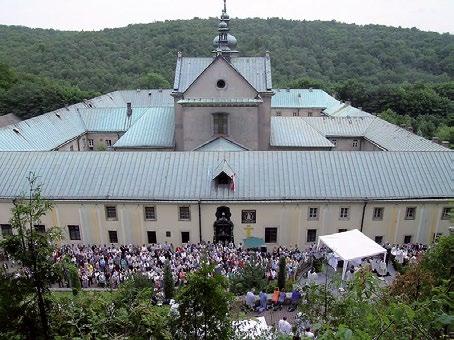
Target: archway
{"x": 223, "y": 226}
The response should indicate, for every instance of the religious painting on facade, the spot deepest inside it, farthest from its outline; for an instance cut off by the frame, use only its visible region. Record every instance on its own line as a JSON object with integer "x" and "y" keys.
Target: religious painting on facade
{"x": 248, "y": 216}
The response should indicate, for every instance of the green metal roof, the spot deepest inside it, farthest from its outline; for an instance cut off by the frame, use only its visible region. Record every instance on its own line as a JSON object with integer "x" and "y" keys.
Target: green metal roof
{"x": 256, "y": 70}
{"x": 259, "y": 175}
{"x": 302, "y": 98}
{"x": 313, "y": 132}
{"x": 220, "y": 144}
{"x": 154, "y": 129}
{"x": 296, "y": 132}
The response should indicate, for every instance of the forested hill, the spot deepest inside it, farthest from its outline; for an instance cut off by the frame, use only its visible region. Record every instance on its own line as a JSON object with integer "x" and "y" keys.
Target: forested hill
{"x": 328, "y": 51}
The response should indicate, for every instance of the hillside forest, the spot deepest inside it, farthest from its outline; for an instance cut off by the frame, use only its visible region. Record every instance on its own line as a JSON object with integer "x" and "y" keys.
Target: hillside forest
{"x": 405, "y": 75}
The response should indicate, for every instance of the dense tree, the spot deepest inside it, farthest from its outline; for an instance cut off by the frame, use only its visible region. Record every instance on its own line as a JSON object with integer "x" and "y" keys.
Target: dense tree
{"x": 250, "y": 276}
{"x": 32, "y": 251}
{"x": 327, "y": 51}
{"x": 27, "y": 96}
{"x": 282, "y": 273}
{"x": 377, "y": 68}
{"x": 204, "y": 306}
{"x": 153, "y": 80}
{"x": 169, "y": 285}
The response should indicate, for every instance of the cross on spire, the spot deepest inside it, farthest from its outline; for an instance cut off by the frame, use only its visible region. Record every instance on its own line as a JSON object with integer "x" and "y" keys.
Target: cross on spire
{"x": 225, "y": 6}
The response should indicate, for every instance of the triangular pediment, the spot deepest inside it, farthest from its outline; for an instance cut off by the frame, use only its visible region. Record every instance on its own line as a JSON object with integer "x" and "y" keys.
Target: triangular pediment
{"x": 220, "y": 79}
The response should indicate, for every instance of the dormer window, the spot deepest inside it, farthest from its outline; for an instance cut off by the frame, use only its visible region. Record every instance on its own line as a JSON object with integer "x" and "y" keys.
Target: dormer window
{"x": 220, "y": 123}
{"x": 223, "y": 179}
{"x": 224, "y": 175}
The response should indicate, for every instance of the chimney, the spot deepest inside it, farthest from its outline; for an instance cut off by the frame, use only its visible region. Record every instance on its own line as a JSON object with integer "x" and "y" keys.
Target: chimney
{"x": 128, "y": 109}
{"x": 436, "y": 140}
{"x": 310, "y": 89}
{"x": 348, "y": 103}
{"x": 445, "y": 143}
{"x": 360, "y": 108}
{"x": 410, "y": 128}
{"x": 288, "y": 90}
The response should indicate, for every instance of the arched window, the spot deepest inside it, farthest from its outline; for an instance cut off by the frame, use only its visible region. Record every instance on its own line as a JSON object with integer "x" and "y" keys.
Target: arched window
{"x": 220, "y": 123}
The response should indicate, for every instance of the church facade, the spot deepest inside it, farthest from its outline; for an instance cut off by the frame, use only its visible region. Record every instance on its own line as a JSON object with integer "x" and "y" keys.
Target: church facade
{"x": 225, "y": 157}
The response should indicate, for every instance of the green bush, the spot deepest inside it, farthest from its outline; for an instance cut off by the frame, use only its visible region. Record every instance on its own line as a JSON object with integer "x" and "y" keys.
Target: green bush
{"x": 251, "y": 276}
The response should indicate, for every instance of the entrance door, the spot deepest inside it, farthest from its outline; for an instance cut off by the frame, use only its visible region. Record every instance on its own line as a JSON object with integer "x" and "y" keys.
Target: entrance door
{"x": 223, "y": 226}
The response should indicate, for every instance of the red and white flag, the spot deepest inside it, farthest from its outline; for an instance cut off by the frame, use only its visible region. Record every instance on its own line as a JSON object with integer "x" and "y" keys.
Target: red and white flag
{"x": 232, "y": 185}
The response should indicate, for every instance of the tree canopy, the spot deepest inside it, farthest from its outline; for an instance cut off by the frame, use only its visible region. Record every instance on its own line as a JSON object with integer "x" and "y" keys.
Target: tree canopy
{"x": 325, "y": 50}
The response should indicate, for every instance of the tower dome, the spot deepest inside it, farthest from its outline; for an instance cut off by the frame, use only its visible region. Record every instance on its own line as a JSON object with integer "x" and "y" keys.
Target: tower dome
{"x": 224, "y": 43}
{"x": 231, "y": 41}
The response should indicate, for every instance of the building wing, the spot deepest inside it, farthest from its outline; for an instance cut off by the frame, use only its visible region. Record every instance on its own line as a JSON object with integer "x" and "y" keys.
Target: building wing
{"x": 258, "y": 175}
{"x": 296, "y": 132}
{"x": 154, "y": 129}
{"x": 302, "y": 99}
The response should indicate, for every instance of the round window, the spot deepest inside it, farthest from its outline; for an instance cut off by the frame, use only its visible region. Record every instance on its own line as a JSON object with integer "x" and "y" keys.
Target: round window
{"x": 220, "y": 84}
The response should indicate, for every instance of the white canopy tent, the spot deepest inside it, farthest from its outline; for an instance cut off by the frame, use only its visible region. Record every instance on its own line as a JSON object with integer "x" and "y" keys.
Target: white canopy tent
{"x": 351, "y": 245}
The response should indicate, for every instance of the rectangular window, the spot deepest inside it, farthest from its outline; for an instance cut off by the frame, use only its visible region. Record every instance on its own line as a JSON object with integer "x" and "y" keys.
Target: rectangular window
{"x": 445, "y": 213}
{"x": 40, "y": 228}
{"x": 407, "y": 239}
{"x": 410, "y": 214}
{"x": 7, "y": 230}
{"x": 295, "y": 114}
{"x": 111, "y": 213}
{"x": 220, "y": 123}
{"x": 184, "y": 214}
{"x": 150, "y": 213}
{"x": 313, "y": 214}
{"x": 278, "y": 114}
{"x": 311, "y": 235}
{"x": 168, "y": 234}
{"x": 151, "y": 235}
{"x": 334, "y": 141}
{"x": 71, "y": 148}
{"x": 378, "y": 214}
{"x": 342, "y": 230}
{"x": 90, "y": 143}
{"x": 379, "y": 239}
{"x": 344, "y": 213}
{"x": 248, "y": 216}
{"x": 185, "y": 237}
{"x": 309, "y": 114}
{"x": 74, "y": 232}
{"x": 270, "y": 235}
{"x": 113, "y": 237}
{"x": 108, "y": 143}
{"x": 355, "y": 143}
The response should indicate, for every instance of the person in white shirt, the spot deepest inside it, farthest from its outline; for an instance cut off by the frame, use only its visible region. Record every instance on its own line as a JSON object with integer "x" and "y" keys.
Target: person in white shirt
{"x": 308, "y": 333}
{"x": 250, "y": 299}
{"x": 284, "y": 326}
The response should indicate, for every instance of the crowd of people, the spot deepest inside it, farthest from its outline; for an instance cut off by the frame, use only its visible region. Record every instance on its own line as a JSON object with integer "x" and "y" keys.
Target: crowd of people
{"x": 108, "y": 266}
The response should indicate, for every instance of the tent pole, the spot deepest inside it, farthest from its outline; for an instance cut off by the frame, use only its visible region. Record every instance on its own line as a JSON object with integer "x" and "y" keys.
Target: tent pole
{"x": 344, "y": 269}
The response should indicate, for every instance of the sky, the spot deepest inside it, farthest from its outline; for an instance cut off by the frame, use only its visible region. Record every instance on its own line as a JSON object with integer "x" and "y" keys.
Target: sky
{"x": 427, "y": 15}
